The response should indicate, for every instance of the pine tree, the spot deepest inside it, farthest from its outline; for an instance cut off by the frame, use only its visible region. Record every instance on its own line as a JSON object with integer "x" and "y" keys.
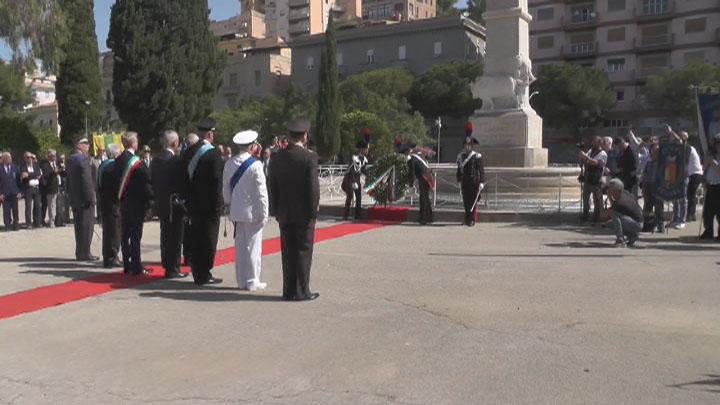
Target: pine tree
{"x": 78, "y": 79}
{"x": 327, "y": 129}
{"x": 167, "y": 67}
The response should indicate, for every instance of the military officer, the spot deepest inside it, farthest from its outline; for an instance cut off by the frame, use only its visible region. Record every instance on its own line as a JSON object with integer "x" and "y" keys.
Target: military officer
{"x": 471, "y": 176}
{"x": 136, "y": 199}
{"x": 420, "y": 169}
{"x": 167, "y": 181}
{"x": 351, "y": 182}
{"x": 82, "y": 199}
{"x": 295, "y": 200}
{"x": 244, "y": 190}
{"x": 203, "y": 165}
{"x": 110, "y": 207}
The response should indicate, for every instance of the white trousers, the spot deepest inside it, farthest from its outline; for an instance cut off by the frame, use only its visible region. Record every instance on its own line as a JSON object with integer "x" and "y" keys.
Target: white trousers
{"x": 52, "y": 208}
{"x": 248, "y": 253}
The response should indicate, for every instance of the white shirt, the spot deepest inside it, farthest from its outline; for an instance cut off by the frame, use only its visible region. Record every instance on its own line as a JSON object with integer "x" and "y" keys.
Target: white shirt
{"x": 694, "y": 166}
{"x": 249, "y": 199}
{"x": 601, "y": 157}
{"x": 171, "y": 151}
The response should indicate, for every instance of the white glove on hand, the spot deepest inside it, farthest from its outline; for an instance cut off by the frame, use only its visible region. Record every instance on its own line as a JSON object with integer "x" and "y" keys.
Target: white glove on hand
{"x": 355, "y": 186}
{"x": 482, "y": 186}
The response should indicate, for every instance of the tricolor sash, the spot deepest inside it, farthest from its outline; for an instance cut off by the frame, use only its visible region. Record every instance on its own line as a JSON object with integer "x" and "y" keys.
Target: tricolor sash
{"x": 128, "y": 172}
{"x": 196, "y": 158}
{"x": 101, "y": 171}
{"x": 239, "y": 172}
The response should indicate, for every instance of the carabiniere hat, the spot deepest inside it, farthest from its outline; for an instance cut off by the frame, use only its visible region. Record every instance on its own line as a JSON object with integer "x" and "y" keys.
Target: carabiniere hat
{"x": 82, "y": 140}
{"x": 362, "y": 144}
{"x": 299, "y": 126}
{"x": 207, "y": 124}
{"x": 245, "y": 137}
{"x": 470, "y": 139}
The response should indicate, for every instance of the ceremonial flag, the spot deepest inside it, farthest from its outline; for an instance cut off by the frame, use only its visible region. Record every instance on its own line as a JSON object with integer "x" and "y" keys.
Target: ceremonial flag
{"x": 670, "y": 178}
{"x": 105, "y": 140}
{"x": 708, "y": 118}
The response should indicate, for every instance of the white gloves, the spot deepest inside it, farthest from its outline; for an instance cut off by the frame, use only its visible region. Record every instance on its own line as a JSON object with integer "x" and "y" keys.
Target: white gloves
{"x": 482, "y": 186}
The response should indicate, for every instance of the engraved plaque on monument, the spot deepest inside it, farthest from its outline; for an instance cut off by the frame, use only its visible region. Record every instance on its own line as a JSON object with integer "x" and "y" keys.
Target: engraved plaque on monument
{"x": 508, "y": 129}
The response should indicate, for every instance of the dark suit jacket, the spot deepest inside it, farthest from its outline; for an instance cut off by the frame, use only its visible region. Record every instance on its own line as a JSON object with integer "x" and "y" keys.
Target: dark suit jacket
{"x": 49, "y": 182}
{"x": 628, "y": 168}
{"x": 108, "y": 189}
{"x": 168, "y": 176}
{"x": 9, "y": 182}
{"x": 204, "y": 191}
{"x": 35, "y": 175}
{"x": 295, "y": 195}
{"x": 139, "y": 194}
{"x": 80, "y": 181}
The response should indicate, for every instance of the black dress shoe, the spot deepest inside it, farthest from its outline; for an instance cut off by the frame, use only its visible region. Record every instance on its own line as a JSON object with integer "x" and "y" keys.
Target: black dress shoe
{"x": 175, "y": 274}
{"x": 143, "y": 272}
{"x": 210, "y": 281}
{"x": 109, "y": 264}
{"x": 310, "y": 297}
{"x": 471, "y": 224}
{"x": 90, "y": 258}
{"x": 706, "y": 235}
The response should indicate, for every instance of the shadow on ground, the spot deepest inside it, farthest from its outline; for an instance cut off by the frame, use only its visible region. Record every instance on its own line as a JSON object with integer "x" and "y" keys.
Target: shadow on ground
{"x": 711, "y": 380}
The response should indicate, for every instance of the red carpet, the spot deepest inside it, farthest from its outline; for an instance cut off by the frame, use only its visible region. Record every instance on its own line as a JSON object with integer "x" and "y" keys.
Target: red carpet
{"x": 392, "y": 214}
{"x": 44, "y": 297}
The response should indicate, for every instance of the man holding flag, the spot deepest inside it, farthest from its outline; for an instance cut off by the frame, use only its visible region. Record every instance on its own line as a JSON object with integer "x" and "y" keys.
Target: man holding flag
{"x": 245, "y": 190}
{"x": 135, "y": 196}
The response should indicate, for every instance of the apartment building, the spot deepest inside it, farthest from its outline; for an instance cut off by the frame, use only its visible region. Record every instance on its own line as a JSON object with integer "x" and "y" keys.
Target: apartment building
{"x": 629, "y": 39}
{"x": 44, "y": 106}
{"x": 249, "y": 24}
{"x": 290, "y": 19}
{"x": 398, "y": 10}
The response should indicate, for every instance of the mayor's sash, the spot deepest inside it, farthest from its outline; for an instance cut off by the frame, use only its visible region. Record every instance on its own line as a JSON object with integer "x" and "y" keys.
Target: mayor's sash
{"x": 128, "y": 172}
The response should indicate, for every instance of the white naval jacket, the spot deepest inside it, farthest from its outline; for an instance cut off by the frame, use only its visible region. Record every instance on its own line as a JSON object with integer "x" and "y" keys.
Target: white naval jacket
{"x": 249, "y": 200}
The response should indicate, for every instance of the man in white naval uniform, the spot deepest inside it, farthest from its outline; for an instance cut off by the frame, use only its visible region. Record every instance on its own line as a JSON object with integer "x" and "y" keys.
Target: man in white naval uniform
{"x": 244, "y": 190}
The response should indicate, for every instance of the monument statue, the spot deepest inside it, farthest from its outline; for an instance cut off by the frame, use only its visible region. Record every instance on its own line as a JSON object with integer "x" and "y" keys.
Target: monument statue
{"x": 508, "y": 129}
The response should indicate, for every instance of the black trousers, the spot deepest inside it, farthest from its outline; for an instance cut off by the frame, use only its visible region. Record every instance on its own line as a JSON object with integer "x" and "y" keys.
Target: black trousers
{"x": 130, "y": 238}
{"x": 470, "y": 194}
{"x": 10, "y": 212}
{"x": 203, "y": 239}
{"x": 425, "y": 206}
{"x": 296, "y": 242}
{"x": 186, "y": 242}
{"x": 172, "y": 230}
{"x": 33, "y": 207}
{"x": 711, "y": 209}
{"x": 693, "y": 185}
{"x": 597, "y": 196}
{"x": 84, "y": 222}
{"x": 358, "y": 201}
{"x": 110, "y": 236}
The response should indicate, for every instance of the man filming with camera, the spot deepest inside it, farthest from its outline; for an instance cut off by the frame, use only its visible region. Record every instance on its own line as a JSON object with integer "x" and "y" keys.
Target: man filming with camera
{"x": 593, "y": 163}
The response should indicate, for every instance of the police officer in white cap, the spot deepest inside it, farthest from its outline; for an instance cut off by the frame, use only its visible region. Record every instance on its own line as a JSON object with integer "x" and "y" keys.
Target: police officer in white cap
{"x": 245, "y": 191}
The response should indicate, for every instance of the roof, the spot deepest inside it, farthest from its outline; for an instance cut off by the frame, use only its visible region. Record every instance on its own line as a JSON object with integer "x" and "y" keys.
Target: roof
{"x": 374, "y": 31}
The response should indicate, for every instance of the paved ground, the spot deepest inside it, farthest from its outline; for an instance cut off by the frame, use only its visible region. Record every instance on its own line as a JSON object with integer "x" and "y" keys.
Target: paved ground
{"x": 500, "y": 313}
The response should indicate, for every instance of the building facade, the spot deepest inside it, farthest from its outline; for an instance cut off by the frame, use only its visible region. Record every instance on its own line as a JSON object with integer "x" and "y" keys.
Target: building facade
{"x": 630, "y": 40}
{"x": 44, "y": 106}
{"x": 415, "y": 45}
{"x": 249, "y": 24}
{"x": 398, "y": 10}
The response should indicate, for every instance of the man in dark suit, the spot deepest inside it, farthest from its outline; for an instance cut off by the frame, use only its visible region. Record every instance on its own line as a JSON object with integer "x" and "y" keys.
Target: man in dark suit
{"x": 110, "y": 207}
{"x": 294, "y": 202}
{"x": 49, "y": 186}
{"x": 135, "y": 196}
{"x": 203, "y": 166}
{"x": 82, "y": 199}
{"x": 167, "y": 182}
{"x": 30, "y": 175}
{"x": 420, "y": 170}
{"x": 9, "y": 192}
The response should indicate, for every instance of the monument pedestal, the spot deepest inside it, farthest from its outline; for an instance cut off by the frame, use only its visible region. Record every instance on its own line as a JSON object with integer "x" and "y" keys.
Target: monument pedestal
{"x": 510, "y": 138}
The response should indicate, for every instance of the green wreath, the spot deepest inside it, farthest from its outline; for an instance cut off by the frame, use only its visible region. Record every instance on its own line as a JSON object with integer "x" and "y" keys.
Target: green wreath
{"x": 381, "y": 193}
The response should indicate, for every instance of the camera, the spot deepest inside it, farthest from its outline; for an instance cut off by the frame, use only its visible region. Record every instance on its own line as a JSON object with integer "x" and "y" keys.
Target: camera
{"x": 581, "y": 145}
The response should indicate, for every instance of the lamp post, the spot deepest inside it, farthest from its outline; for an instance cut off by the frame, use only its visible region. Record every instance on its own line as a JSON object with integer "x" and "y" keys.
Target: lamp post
{"x": 438, "y": 123}
{"x": 87, "y": 106}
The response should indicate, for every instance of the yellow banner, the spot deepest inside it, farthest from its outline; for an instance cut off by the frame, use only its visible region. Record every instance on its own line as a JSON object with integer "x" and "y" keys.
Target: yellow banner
{"x": 104, "y": 140}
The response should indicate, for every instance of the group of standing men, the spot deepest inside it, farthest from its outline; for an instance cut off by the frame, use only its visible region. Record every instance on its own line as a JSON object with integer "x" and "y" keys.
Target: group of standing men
{"x": 190, "y": 192}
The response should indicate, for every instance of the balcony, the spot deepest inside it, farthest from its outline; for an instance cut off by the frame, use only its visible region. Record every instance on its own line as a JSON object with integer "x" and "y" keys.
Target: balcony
{"x": 579, "y": 21}
{"x": 644, "y": 73}
{"x": 580, "y": 51}
{"x": 654, "y": 43}
{"x": 298, "y": 3}
{"x": 621, "y": 76}
{"x": 299, "y": 14}
{"x": 654, "y": 11}
{"x": 299, "y": 28}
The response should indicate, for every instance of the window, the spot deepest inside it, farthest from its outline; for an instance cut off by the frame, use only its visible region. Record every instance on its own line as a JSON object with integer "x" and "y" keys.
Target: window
{"x": 371, "y": 56}
{"x": 402, "y": 52}
{"x": 655, "y": 35}
{"x": 616, "y": 5}
{"x": 310, "y": 63}
{"x": 50, "y": 123}
{"x": 655, "y": 6}
{"x": 616, "y": 34}
{"x": 546, "y": 42}
{"x": 620, "y": 96}
{"x": 258, "y": 78}
{"x": 233, "y": 79}
{"x": 616, "y": 65}
{"x": 546, "y": 13}
{"x": 694, "y": 57}
{"x": 339, "y": 58}
{"x": 583, "y": 13}
{"x": 616, "y": 123}
{"x": 695, "y": 25}
{"x": 438, "y": 48}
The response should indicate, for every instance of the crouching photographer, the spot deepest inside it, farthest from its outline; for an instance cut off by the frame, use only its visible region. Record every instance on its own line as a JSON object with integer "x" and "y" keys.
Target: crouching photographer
{"x": 625, "y": 215}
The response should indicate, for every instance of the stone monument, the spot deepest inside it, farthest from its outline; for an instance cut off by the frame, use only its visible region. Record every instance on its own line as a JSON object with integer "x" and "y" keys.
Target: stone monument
{"x": 507, "y": 127}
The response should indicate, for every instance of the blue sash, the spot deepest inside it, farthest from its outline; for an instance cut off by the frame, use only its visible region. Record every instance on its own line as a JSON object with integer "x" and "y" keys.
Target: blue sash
{"x": 239, "y": 172}
{"x": 196, "y": 159}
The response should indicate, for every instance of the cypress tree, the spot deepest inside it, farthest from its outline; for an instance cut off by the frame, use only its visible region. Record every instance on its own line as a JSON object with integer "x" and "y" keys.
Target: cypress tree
{"x": 327, "y": 129}
{"x": 167, "y": 66}
{"x": 79, "y": 73}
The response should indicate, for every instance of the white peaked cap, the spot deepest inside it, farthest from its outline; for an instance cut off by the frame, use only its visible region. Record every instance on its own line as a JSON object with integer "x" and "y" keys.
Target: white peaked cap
{"x": 245, "y": 137}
